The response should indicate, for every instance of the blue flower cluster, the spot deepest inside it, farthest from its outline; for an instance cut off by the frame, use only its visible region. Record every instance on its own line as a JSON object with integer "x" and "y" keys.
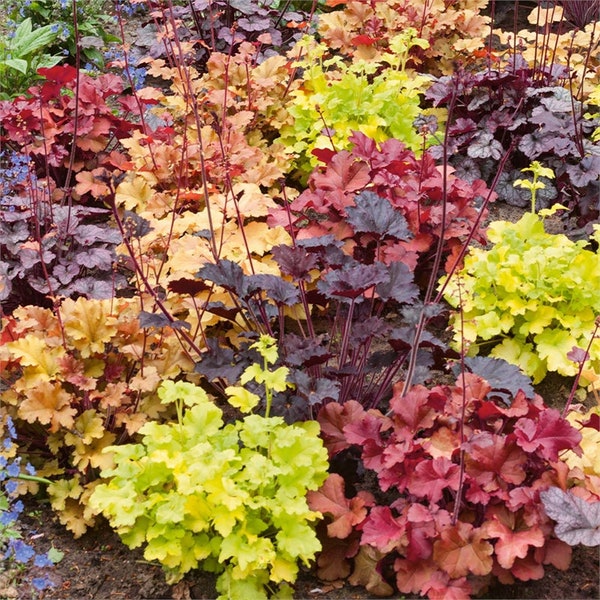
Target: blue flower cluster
{"x": 12, "y": 547}
{"x": 137, "y": 75}
{"x": 14, "y": 170}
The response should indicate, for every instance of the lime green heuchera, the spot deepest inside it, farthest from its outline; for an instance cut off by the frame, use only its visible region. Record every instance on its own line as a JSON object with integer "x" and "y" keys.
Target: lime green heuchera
{"x": 531, "y": 297}
{"x": 379, "y": 97}
{"x": 227, "y": 498}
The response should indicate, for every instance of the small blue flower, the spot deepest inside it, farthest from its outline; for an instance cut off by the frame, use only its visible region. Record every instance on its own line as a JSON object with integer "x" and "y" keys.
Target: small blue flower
{"x": 11, "y": 486}
{"x": 21, "y": 551}
{"x": 14, "y": 469}
{"x": 41, "y": 583}
{"x": 42, "y": 560}
{"x": 12, "y": 432}
{"x": 30, "y": 469}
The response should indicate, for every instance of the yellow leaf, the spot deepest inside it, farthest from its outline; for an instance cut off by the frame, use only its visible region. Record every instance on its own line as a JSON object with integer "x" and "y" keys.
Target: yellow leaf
{"x": 133, "y": 194}
{"x": 88, "y": 425}
{"x": 48, "y": 404}
{"x": 543, "y": 16}
{"x": 88, "y": 324}
{"x": 41, "y": 361}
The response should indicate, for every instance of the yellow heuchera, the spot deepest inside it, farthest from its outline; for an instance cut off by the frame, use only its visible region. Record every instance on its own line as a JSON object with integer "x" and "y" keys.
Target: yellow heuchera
{"x": 589, "y": 461}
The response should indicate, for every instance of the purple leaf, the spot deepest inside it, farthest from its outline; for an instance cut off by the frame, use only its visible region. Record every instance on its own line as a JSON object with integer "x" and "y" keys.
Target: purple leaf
{"x": 585, "y": 172}
{"x": 294, "y": 261}
{"x": 95, "y": 258}
{"x": 352, "y": 280}
{"x": 534, "y": 144}
{"x": 485, "y": 146}
{"x": 228, "y": 275}
{"x": 374, "y": 214}
{"x": 279, "y": 290}
{"x": 305, "y": 352}
{"x": 220, "y": 363}
{"x": 577, "y": 521}
{"x": 501, "y": 375}
{"x": 399, "y": 286}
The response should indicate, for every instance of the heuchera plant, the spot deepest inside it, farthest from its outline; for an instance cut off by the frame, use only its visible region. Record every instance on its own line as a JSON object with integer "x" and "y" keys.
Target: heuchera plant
{"x": 531, "y": 298}
{"x": 228, "y": 498}
{"x": 377, "y": 96}
{"x": 455, "y": 503}
{"x": 77, "y": 379}
{"x": 517, "y": 110}
{"x": 364, "y": 28}
{"x": 56, "y": 237}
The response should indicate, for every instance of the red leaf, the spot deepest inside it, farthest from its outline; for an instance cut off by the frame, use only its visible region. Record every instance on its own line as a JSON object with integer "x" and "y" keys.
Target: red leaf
{"x": 367, "y": 433}
{"x": 344, "y": 173}
{"x": 325, "y": 155}
{"x": 414, "y": 577}
{"x": 333, "y": 417}
{"x": 510, "y": 544}
{"x": 413, "y": 410}
{"x": 382, "y": 530}
{"x": 364, "y": 40}
{"x": 548, "y": 436}
{"x": 432, "y": 477}
{"x": 330, "y": 500}
{"x": 60, "y": 73}
{"x": 491, "y": 456}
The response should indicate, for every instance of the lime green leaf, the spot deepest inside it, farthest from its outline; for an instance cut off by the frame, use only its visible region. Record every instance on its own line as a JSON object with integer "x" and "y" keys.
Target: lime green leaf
{"x": 240, "y": 397}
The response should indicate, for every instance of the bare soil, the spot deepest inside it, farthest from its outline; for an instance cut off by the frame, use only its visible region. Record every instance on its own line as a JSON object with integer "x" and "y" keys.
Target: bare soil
{"x": 98, "y": 566}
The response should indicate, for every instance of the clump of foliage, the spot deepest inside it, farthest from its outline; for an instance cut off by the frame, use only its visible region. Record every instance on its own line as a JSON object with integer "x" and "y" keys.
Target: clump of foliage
{"x": 204, "y": 27}
{"x": 531, "y": 297}
{"x": 377, "y": 96}
{"x": 228, "y": 498}
{"x": 517, "y": 110}
{"x": 439, "y": 208}
{"x": 77, "y": 379}
{"x": 459, "y": 469}
{"x": 371, "y": 216}
{"x": 22, "y": 52}
{"x": 363, "y": 29}
{"x": 59, "y": 146}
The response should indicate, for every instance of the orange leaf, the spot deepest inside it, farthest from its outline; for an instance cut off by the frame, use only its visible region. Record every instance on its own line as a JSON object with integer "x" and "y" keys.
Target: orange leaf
{"x": 461, "y": 550}
{"x": 512, "y": 544}
{"x": 330, "y": 500}
{"x": 48, "y": 404}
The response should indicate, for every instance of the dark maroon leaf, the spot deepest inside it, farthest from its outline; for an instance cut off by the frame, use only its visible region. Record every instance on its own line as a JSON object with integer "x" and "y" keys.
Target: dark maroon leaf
{"x": 304, "y": 352}
{"x": 364, "y": 330}
{"x": 279, "y": 290}
{"x": 220, "y": 363}
{"x": 187, "y": 286}
{"x": 228, "y": 275}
